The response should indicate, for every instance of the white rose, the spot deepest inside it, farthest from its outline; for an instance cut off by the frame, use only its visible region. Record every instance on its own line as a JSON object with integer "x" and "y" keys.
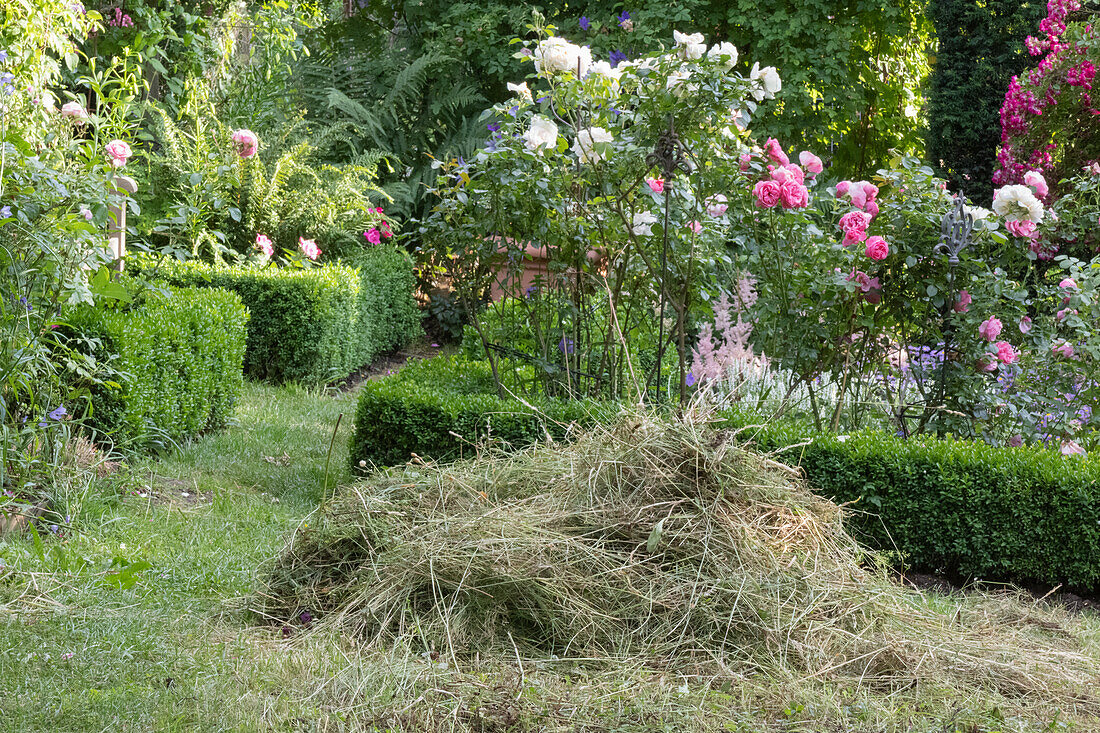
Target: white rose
{"x": 587, "y": 140}
{"x": 769, "y": 83}
{"x": 604, "y": 69}
{"x": 689, "y": 46}
{"x": 520, "y": 90}
{"x": 725, "y": 52}
{"x": 557, "y": 54}
{"x": 1017, "y": 202}
{"x": 643, "y": 223}
{"x": 977, "y": 212}
{"x": 542, "y": 134}
{"x": 677, "y": 83}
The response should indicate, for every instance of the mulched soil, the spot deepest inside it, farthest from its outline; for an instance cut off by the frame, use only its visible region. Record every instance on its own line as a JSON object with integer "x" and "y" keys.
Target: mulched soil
{"x": 389, "y": 364}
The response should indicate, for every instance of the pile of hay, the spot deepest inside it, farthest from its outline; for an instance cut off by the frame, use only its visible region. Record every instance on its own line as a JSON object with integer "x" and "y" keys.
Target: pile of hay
{"x": 655, "y": 540}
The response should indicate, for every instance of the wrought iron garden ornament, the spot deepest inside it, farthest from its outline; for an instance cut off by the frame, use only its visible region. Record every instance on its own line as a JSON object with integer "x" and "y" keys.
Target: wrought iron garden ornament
{"x": 955, "y": 232}
{"x": 669, "y": 153}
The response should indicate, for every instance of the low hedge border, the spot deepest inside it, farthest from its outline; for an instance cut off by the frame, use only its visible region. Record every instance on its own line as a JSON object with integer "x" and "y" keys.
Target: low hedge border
{"x": 178, "y": 358}
{"x": 966, "y": 509}
{"x": 437, "y": 407}
{"x": 313, "y": 325}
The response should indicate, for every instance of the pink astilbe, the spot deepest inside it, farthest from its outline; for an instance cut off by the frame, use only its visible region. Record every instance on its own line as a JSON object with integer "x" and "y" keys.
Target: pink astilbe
{"x": 724, "y": 344}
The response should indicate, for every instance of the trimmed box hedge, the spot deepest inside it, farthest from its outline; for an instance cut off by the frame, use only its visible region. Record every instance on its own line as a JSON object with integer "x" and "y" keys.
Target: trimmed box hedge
{"x": 437, "y": 407}
{"x": 178, "y": 357}
{"x": 961, "y": 508}
{"x": 312, "y": 325}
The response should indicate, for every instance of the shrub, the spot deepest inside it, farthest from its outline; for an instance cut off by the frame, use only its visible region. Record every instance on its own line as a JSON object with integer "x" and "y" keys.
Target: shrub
{"x": 435, "y": 407}
{"x": 178, "y": 356}
{"x": 963, "y": 508}
{"x": 313, "y": 325}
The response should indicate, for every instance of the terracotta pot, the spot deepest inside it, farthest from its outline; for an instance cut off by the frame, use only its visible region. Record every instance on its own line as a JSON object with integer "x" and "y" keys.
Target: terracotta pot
{"x": 510, "y": 282}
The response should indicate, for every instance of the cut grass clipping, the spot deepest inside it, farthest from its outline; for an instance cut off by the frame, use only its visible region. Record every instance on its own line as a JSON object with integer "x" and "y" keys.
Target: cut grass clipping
{"x": 669, "y": 544}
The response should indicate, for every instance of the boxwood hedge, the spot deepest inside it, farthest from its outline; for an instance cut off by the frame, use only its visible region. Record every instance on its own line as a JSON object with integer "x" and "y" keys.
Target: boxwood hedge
{"x": 312, "y": 325}
{"x": 178, "y": 358}
{"x": 436, "y": 408}
{"x": 961, "y": 508}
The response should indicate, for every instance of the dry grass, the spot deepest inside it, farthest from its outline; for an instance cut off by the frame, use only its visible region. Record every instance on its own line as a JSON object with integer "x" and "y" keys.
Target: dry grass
{"x": 650, "y": 551}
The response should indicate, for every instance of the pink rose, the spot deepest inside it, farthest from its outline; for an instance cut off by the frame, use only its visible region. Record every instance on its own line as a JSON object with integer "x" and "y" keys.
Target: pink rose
{"x": 119, "y": 152}
{"x": 384, "y": 227}
{"x": 716, "y": 205}
{"x": 1063, "y": 348}
{"x": 373, "y": 236}
{"x": 986, "y": 365}
{"x": 1035, "y": 180}
{"x": 877, "y": 248}
{"x": 309, "y": 248}
{"x": 1061, "y": 315}
{"x": 695, "y": 226}
{"x": 1021, "y": 228}
{"x": 781, "y": 174}
{"x": 990, "y": 328}
{"x": 745, "y": 159}
{"x": 962, "y": 305}
{"x": 810, "y": 162}
{"x": 263, "y": 243}
{"x": 775, "y": 151}
{"x": 657, "y": 185}
{"x": 874, "y": 297}
{"x": 796, "y": 173}
{"x": 1025, "y": 324}
{"x": 1006, "y": 353}
{"x": 1068, "y": 282}
{"x": 75, "y": 110}
{"x": 246, "y": 142}
{"x": 1071, "y": 448}
{"x": 842, "y": 188}
{"x": 794, "y": 195}
{"x": 870, "y": 190}
{"x": 766, "y": 193}
{"x": 853, "y": 236}
{"x": 859, "y": 198}
{"x": 857, "y": 221}
{"x": 871, "y": 207}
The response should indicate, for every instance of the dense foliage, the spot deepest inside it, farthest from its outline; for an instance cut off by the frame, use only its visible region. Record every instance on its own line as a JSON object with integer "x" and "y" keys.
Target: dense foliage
{"x": 177, "y": 356}
{"x": 981, "y": 47}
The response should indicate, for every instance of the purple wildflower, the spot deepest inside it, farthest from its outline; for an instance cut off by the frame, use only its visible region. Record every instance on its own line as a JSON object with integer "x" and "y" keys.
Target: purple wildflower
{"x": 616, "y": 57}
{"x": 584, "y": 24}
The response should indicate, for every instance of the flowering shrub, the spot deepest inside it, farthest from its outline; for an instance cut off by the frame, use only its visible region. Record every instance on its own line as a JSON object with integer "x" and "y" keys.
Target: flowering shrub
{"x": 567, "y": 166}
{"x": 1044, "y": 104}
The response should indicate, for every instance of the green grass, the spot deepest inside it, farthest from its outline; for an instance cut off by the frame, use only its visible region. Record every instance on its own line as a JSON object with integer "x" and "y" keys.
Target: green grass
{"x": 179, "y": 650}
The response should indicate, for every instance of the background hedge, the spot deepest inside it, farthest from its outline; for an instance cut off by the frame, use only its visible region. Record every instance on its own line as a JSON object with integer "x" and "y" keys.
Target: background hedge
{"x": 178, "y": 357}
{"x": 981, "y": 47}
{"x": 959, "y": 508}
{"x": 437, "y": 407}
{"x": 312, "y": 325}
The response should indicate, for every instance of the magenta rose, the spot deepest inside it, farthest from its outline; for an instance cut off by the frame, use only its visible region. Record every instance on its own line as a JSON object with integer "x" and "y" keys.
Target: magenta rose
{"x": 877, "y": 249}
{"x": 766, "y": 193}
{"x": 774, "y": 150}
{"x": 962, "y": 305}
{"x": 842, "y": 188}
